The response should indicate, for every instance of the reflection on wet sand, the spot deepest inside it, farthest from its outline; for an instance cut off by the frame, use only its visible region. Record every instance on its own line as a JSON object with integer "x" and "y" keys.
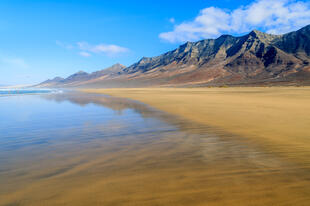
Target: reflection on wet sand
{"x": 121, "y": 104}
{"x": 149, "y": 159}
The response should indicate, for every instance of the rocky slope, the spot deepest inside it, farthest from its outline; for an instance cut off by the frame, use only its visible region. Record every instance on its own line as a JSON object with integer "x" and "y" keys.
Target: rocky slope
{"x": 255, "y": 58}
{"x": 80, "y": 78}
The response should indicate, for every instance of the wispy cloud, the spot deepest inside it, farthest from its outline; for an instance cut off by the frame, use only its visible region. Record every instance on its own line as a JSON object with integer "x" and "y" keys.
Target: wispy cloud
{"x": 64, "y": 45}
{"x": 107, "y": 49}
{"x": 84, "y": 54}
{"x": 15, "y": 63}
{"x": 276, "y": 16}
{"x": 86, "y": 50}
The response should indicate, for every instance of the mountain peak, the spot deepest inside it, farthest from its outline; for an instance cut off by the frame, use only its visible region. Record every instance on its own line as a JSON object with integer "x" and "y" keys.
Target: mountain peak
{"x": 144, "y": 60}
{"x": 81, "y": 72}
{"x": 118, "y": 65}
{"x": 262, "y": 36}
{"x": 256, "y": 57}
{"x": 58, "y": 79}
{"x": 225, "y": 36}
{"x": 187, "y": 44}
{"x": 114, "y": 68}
{"x": 257, "y": 33}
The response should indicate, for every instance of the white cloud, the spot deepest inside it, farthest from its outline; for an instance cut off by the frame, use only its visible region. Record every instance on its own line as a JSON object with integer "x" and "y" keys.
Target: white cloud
{"x": 273, "y": 16}
{"x": 83, "y": 45}
{"x": 84, "y": 54}
{"x": 64, "y": 45}
{"x": 110, "y": 50}
{"x": 15, "y": 63}
{"x": 172, "y": 20}
{"x": 86, "y": 50}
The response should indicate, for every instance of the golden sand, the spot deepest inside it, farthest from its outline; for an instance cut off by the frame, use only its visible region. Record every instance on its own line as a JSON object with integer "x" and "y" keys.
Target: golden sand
{"x": 172, "y": 169}
{"x": 181, "y": 167}
{"x": 275, "y": 116}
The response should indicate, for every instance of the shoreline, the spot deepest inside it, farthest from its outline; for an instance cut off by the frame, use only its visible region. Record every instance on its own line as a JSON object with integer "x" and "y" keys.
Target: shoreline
{"x": 275, "y": 117}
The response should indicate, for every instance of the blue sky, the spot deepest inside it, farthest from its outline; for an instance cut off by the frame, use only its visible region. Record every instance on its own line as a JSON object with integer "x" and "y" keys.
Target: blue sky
{"x": 43, "y": 39}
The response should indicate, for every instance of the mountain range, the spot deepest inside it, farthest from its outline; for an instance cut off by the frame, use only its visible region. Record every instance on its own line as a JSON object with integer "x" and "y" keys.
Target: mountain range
{"x": 256, "y": 58}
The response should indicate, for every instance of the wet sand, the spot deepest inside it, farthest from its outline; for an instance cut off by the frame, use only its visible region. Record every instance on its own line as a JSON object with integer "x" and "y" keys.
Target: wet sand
{"x": 143, "y": 157}
{"x": 275, "y": 117}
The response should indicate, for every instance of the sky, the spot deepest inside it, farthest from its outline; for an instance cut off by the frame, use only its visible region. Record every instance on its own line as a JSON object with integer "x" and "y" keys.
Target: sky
{"x": 41, "y": 39}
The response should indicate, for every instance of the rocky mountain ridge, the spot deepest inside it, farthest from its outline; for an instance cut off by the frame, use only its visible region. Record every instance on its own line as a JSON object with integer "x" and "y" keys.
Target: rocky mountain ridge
{"x": 255, "y": 58}
{"x": 81, "y": 77}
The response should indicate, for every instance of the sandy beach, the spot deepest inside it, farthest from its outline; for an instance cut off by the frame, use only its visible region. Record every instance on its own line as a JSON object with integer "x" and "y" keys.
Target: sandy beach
{"x": 105, "y": 150}
{"x": 275, "y": 117}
